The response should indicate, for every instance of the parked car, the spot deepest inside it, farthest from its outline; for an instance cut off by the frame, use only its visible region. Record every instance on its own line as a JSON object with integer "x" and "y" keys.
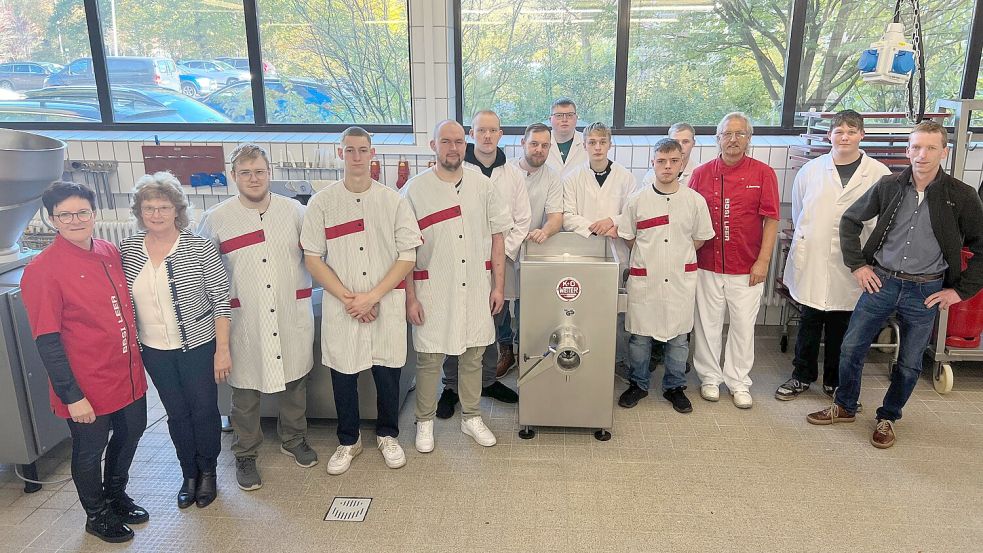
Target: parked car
{"x": 23, "y": 75}
{"x": 123, "y": 70}
{"x": 34, "y": 109}
{"x": 287, "y": 101}
{"x": 136, "y": 99}
{"x": 195, "y": 86}
{"x": 218, "y": 71}
{"x": 242, "y": 64}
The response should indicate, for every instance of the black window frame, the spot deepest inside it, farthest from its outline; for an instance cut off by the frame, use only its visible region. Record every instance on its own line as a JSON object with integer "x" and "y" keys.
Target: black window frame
{"x": 971, "y": 67}
{"x": 255, "y": 56}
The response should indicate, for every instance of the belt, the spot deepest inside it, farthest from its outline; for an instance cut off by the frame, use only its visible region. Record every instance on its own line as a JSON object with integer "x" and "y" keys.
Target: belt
{"x": 909, "y": 277}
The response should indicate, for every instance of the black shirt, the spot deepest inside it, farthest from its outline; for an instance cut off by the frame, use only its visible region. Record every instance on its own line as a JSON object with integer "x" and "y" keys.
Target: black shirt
{"x": 847, "y": 171}
{"x": 603, "y": 175}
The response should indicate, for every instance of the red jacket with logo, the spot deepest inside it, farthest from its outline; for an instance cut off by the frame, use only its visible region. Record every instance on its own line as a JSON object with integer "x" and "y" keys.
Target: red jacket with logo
{"x": 82, "y": 295}
{"x": 739, "y": 198}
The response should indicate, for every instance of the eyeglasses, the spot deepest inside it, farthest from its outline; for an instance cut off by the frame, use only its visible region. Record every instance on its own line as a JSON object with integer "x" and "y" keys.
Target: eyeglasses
{"x": 163, "y": 210}
{"x": 567, "y": 115}
{"x": 66, "y": 217}
{"x": 247, "y": 174}
{"x": 733, "y": 134}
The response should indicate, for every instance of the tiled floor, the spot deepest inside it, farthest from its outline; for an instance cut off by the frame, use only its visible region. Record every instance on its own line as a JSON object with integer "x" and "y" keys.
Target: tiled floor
{"x": 719, "y": 479}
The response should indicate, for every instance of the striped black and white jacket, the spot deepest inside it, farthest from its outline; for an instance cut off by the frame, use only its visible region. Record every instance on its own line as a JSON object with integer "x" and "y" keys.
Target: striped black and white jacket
{"x": 198, "y": 281}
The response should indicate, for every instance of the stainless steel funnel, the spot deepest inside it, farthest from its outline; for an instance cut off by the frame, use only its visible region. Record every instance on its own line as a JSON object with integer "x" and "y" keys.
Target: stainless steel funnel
{"x": 28, "y": 164}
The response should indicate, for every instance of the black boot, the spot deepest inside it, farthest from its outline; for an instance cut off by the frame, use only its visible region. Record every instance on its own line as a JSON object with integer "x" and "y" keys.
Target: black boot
{"x": 107, "y": 526}
{"x": 206, "y": 490}
{"x": 128, "y": 511}
{"x": 186, "y": 496}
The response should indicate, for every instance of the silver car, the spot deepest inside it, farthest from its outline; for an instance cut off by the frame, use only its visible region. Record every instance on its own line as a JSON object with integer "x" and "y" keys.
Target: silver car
{"x": 23, "y": 75}
{"x": 218, "y": 71}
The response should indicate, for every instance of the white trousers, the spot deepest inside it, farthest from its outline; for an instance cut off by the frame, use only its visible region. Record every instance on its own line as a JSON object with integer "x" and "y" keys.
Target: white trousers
{"x": 718, "y": 295}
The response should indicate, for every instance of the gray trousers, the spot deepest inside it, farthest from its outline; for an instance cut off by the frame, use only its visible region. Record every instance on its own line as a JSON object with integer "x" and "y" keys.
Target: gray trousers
{"x": 488, "y": 361}
{"x": 469, "y": 387}
{"x": 291, "y": 422}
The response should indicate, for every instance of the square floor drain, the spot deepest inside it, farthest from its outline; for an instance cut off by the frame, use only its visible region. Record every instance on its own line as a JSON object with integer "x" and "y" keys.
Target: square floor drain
{"x": 348, "y": 509}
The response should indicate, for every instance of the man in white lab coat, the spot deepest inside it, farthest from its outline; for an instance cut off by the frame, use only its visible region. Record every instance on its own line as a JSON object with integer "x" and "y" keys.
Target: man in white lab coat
{"x": 451, "y": 298}
{"x": 685, "y": 134}
{"x": 667, "y": 222}
{"x": 567, "y": 151}
{"x": 484, "y": 155}
{"x": 593, "y": 194}
{"x": 360, "y": 239}
{"x": 258, "y": 235}
{"x": 814, "y": 271}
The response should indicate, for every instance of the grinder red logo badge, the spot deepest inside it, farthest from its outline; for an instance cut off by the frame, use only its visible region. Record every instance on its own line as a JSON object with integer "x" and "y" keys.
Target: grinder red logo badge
{"x": 568, "y": 289}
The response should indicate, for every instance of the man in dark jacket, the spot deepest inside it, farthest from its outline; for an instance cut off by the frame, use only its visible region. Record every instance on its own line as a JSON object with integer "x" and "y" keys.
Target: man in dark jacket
{"x": 910, "y": 266}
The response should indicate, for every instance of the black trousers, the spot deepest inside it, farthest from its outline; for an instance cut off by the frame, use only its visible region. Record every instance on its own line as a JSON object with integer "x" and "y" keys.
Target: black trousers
{"x": 94, "y": 484}
{"x": 346, "y": 403}
{"x": 185, "y": 381}
{"x": 811, "y": 328}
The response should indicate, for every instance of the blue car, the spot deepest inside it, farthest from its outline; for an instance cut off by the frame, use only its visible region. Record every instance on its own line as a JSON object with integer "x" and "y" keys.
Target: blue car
{"x": 195, "y": 86}
{"x": 287, "y": 101}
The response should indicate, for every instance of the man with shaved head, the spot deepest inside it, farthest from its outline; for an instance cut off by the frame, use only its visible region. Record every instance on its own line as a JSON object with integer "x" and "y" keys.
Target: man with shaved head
{"x": 458, "y": 284}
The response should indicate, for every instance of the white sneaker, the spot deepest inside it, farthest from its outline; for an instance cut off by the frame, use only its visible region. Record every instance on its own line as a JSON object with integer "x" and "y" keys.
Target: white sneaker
{"x": 710, "y": 392}
{"x": 475, "y": 427}
{"x": 342, "y": 458}
{"x": 391, "y": 451}
{"x": 424, "y": 436}
{"x": 742, "y": 399}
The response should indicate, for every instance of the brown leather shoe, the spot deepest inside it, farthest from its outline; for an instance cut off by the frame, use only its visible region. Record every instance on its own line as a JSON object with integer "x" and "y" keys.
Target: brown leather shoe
{"x": 832, "y": 414}
{"x": 506, "y": 361}
{"x": 883, "y": 436}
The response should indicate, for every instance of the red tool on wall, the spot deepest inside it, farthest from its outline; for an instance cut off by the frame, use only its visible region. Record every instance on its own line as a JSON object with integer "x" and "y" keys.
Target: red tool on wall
{"x": 402, "y": 173}
{"x": 375, "y": 170}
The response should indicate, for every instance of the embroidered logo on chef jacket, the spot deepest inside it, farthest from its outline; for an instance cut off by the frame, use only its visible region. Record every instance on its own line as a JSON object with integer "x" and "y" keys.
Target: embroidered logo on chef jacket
{"x": 122, "y": 324}
{"x": 726, "y": 228}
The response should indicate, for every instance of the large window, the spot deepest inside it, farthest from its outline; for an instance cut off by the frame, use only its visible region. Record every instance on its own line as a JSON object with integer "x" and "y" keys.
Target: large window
{"x": 838, "y": 30}
{"x": 37, "y": 41}
{"x": 336, "y": 61}
{"x": 696, "y": 60}
{"x": 518, "y": 56}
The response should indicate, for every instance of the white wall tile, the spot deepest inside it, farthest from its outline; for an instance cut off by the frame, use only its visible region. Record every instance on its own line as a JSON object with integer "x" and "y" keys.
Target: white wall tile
{"x": 90, "y": 150}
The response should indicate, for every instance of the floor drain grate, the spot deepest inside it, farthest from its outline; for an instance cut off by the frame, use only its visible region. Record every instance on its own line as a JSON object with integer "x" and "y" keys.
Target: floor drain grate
{"x": 348, "y": 509}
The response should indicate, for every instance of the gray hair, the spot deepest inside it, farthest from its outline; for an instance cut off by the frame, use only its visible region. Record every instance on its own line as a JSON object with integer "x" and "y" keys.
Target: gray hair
{"x": 165, "y": 186}
{"x": 735, "y": 115}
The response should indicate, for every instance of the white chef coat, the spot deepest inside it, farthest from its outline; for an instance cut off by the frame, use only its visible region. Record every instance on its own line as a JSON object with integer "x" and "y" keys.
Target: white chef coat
{"x": 814, "y": 271}
{"x": 649, "y": 178}
{"x": 360, "y": 236}
{"x": 575, "y": 157}
{"x": 545, "y": 191}
{"x": 157, "y": 324}
{"x": 453, "y": 266}
{"x": 272, "y": 339}
{"x": 662, "y": 276}
{"x": 510, "y": 184}
{"x": 585, "y": 201}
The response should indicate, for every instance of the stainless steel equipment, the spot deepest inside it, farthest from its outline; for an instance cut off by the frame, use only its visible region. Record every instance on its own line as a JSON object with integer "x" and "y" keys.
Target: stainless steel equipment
{"x": 567, "y": 320}
{"x": 28, "y": 428}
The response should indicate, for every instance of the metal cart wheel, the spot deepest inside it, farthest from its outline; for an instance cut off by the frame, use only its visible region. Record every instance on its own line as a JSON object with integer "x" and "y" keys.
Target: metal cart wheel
{"x": 942, "y": 378}
{"x": 783, "y": 343}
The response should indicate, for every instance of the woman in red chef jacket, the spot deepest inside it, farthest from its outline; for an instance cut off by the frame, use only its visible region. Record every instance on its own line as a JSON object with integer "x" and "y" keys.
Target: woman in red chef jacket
{"x": 82, "y": 320}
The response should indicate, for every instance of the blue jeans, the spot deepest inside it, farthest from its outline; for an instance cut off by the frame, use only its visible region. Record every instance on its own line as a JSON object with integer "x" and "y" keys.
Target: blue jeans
{"x": 346, "y": 403}
{"x": 676, "y": 355}
{"x": 503, "y": 331}
{"x": 907, "y": 299}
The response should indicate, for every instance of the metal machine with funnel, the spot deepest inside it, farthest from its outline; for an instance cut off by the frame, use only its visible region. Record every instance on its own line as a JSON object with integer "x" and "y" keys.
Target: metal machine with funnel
{"x": 28, "y": 428}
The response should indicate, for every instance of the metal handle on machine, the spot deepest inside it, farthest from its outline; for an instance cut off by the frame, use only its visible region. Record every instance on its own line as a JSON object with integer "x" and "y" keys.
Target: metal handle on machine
{"x": 533, "y": 372}
{"x": 568, "y": 348}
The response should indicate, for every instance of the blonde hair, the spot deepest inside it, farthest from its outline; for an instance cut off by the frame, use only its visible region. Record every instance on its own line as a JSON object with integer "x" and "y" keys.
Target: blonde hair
{"x": 165, "y": 186}
{"x": 248, "y": 151}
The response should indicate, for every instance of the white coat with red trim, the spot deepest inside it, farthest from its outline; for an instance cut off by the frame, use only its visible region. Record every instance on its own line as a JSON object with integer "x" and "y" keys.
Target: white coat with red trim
{"x": 272, "y": 340}
{"x": 360, "y": 236}
{"x": 585, "y": 201}
{"x": 662, "y": 277}
{"x": 453, "y": 266}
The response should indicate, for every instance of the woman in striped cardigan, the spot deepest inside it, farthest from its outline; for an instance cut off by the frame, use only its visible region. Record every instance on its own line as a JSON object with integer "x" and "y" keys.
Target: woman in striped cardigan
{"x": 181, "y": 293}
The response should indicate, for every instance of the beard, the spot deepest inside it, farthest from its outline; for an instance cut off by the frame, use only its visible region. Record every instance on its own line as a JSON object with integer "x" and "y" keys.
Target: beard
{"x": 451, "y": 166}
{"x": 532, "y": 162}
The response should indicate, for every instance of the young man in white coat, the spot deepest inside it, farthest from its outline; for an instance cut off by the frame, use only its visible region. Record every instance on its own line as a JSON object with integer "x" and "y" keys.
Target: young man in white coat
{"x": 360, "y": 241}
{"x": 484, "y": 155}
{"x": 667, "y": 222}
{"x": 567, "y": 151}
{"x": 814, "y": 271}
{"x": 458, "y": 285}
{"x": 742, "y": 194}
{"x": 685, "y": 134}
{"x": 258, "y": 235}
